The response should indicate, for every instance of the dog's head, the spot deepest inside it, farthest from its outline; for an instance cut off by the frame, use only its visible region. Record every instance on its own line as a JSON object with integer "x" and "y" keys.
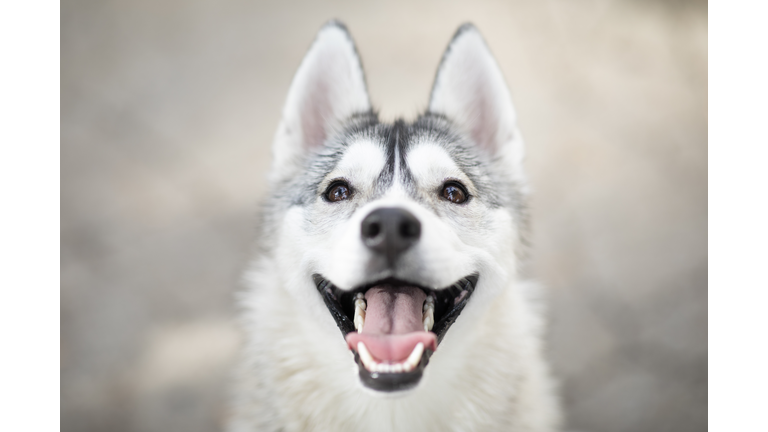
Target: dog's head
{"x": 396, "y": 229}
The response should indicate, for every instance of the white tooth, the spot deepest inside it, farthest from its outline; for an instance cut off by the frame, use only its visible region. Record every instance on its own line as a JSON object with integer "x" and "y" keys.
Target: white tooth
{"x": 428, "y": 319}
{"x": 359, "y": 319}
{"x": 415, "y": 357}
{"x": 366, "y": 357}
{"x": 397, "y": 368}
{"x": 429, "y": 302}
{"x": 360, "y": 306}
{"x": 361, "y": 297}
{"x": 429, "y": 313}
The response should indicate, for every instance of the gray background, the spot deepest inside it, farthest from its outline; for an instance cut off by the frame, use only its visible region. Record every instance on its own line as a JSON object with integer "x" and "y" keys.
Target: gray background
{"x": 168, "y": 110}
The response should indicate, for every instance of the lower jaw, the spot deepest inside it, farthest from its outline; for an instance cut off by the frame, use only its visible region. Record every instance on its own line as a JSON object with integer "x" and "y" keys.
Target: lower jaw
{"x": 392, "y": 382}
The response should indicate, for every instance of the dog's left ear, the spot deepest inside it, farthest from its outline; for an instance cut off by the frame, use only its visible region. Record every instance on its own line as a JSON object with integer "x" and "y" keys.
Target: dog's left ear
{"x": 328, "y": 88}
{"x": 470, "y": 90}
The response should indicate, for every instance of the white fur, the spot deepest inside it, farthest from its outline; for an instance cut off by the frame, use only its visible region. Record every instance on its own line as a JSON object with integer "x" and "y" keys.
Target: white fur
{"x": 470, "y": 89}
{"x": 487, "y": 373}
{"x": 329, "y": 86}
{"x": 363, "y": 160}
{"x": 431, "y": 165}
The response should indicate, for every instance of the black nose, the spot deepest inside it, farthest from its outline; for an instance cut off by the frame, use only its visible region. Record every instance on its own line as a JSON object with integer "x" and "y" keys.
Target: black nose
{"x": 390, "y": 231}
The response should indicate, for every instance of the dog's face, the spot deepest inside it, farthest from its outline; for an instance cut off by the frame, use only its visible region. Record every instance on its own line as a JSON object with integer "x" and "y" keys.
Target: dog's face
{"x": 394, "y": 230}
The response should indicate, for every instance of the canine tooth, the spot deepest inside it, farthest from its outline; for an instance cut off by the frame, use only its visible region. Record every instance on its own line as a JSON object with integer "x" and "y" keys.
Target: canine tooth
{"x": 429, "y": 301}
{"x": 428, "y": 319}
{"x": 414, "y": 358}
{"x": 360, "y": 306}
{"x": 366, "y": 357}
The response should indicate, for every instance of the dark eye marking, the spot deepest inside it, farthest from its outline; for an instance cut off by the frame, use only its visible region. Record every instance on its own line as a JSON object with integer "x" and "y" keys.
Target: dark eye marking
{"x": 338, "y": 190}
{"x": 454, "y": 192}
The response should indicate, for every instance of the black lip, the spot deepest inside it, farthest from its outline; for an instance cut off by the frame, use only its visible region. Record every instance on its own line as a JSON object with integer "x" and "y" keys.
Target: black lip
{"x": 393, "y": 382}
{"x": 341, "y": 305}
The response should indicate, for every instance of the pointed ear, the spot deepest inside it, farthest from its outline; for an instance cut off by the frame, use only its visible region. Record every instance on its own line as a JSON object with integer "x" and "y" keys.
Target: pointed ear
{"x": 328, "y": 88}
{"x": 469, "y": 89}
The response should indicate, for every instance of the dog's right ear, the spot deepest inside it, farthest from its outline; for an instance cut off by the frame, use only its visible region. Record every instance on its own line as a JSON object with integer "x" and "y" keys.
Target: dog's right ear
{"x": 328, "y": 88}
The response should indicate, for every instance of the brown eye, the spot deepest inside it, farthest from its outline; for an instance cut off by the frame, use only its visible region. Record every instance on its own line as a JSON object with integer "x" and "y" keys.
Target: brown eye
{"x": 337, "y": 191}
{"x": 454, "y": 193}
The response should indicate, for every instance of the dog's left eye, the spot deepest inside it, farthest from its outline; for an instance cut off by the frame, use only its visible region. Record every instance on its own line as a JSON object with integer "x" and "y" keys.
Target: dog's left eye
{"x": 337, "y": 191}
{"x": 454, "y": 192}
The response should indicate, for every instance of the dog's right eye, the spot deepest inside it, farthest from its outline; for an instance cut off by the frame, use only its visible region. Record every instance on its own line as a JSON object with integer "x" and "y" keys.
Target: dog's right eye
{"x": 338, "y": 191}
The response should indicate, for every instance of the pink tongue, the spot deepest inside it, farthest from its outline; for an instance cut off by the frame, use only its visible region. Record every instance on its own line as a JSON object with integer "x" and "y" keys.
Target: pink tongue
{"x": 393, "y": 323}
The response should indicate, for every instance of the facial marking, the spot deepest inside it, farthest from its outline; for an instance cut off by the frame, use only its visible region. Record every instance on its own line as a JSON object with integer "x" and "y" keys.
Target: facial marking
{"x": 431, "y": 165}
{"x": 361, "y": 165}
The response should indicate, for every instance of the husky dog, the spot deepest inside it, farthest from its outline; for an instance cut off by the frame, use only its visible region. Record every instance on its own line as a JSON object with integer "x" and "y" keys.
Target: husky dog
{"x": 387, "y": 292}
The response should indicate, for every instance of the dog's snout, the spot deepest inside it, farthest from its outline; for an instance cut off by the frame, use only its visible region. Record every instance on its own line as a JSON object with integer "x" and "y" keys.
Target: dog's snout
{"x": 390, "y": 231}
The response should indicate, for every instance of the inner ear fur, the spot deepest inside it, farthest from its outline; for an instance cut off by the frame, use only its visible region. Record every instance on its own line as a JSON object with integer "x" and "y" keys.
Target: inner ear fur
{"x": 470, "y": 90}
{"x": 328, "y": 88}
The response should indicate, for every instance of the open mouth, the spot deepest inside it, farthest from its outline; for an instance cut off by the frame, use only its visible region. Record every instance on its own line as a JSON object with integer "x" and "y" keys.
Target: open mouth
{"x": 394, "y": 326}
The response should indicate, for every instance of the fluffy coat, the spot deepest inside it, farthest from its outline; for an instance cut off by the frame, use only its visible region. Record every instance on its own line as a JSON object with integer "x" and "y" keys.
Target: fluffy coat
{"x": 296, "y": 373}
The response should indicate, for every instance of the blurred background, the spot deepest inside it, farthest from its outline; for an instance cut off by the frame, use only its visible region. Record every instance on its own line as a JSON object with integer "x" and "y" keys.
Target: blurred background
{"x": 167, "y": 114}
